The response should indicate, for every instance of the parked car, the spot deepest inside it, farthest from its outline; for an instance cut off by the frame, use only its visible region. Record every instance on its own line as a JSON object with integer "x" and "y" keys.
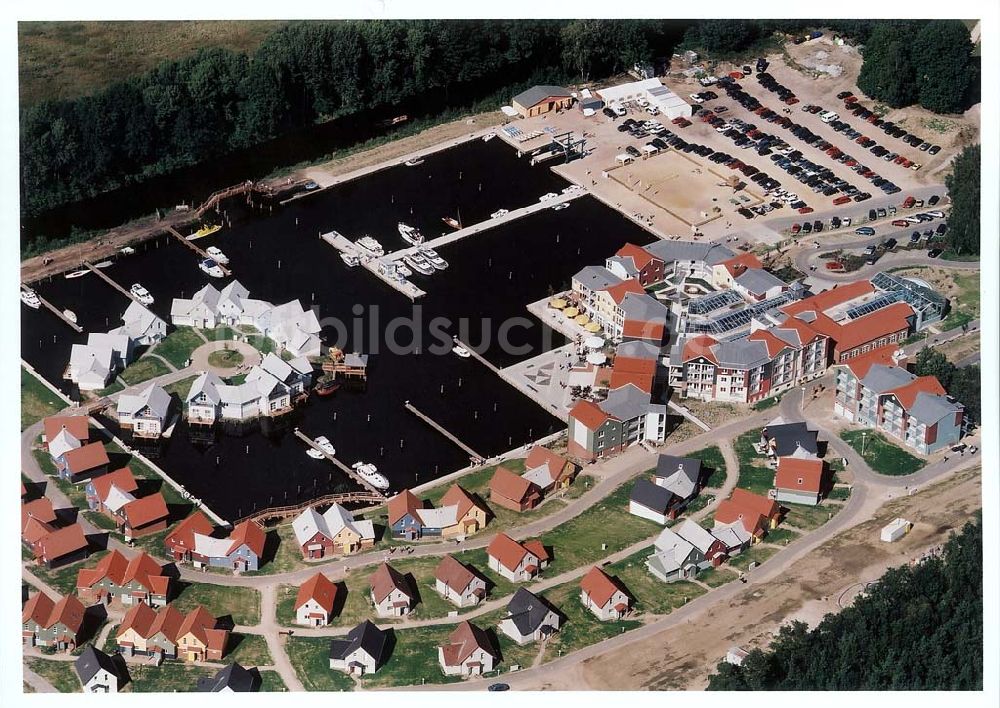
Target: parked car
{"x": 934, "y": 253}
{"x": 864, "y": 231}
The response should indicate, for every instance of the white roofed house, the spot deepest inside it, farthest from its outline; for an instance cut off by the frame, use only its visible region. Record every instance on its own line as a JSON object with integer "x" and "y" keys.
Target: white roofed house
{"x": 141, "y": 326}
{"x": 296, "y": 373}
{"x": 232, "y": 299}
{"x": 294, "y": 328}
{"x": 62, "y": 443}
{"x": 334, "y": 532}
{"x": 200, "y": 311}
{"x": 94, "y": 364}
{"x": 204, "y": 401}
{"x": 147, "y": 413}
{"x": 675, "y": 558}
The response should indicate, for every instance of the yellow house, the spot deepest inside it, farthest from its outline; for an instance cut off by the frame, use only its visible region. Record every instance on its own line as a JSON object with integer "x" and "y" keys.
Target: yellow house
{"x": 541, "y": 99}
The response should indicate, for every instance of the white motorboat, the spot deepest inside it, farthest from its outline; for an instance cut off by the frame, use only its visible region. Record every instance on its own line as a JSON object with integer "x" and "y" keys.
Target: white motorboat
{"x": 369, "y": 472}
{"x": 77, "y": 273}
{"x": 314, "y": 453}
{"x": 141, "y": 294}
{"x": 102, "y": 264}
{"x": 403, "y": 270}
{"x": 211, "y": 268}
{"x": 70, "y": 315}
{"x": 499, "y": 212}
{"x": 414, "y": 162}
{"x": 350, "y": 259}
{"x": 217, "y": 255}
{"x": 371, "y": 245}
{"x": 461, "y": 351}
{"x": 560, "y": 206}
{"x": 410, "y": 234}
{"x": 547, "y": 196}
{"x": 433, "y": 258}
{"x": 418, "y": 263}
{"x": 30, "y": 298}
{"x": 126, "y": 250}
{"x": 488, "y": 137}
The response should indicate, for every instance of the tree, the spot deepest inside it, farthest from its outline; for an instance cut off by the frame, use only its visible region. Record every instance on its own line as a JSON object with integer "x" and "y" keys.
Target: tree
{"x": 931, "y": 362}
{"x": 941, "y": 53}
{"x": 583, "y": 46}
{"x": 722, "y": 36}
{"x": 963, "y": 188}
{"x": 887, "y": 73}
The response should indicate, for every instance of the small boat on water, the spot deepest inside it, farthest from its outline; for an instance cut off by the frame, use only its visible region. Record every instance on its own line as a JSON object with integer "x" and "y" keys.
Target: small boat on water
{"x": 126, "y": 250}
{"x": 326, "y": 387}
{"x": 369, "y": 472}
{"x": 102, "y": 264}
{"x": 488, "y": 137}
{"x": 418, "y": 263}
{"x": 371, "y": 245}
{"x": 461, "y": 351}
{"x": 433, "y": 258}
{"x": 141, "y": 294}
{"x": 325, "y": 445}
{"x": 350, "y": 259}
{"x": 499, "y": 212}
{"x": 70, "y": 315}
{"x": 410, "y": 234}
{"x": 77, "y": 273}
{"x": 211, "y": 268}
{"x": 403, "y": 270}
{"x": 206, "y": 230}
{"x": 414, "y": 162}
{"x": 560, "y": 206}
{"x": 453, "y": 223}
{"x": 217, "y": 255}
{"x": 30, "y": 298}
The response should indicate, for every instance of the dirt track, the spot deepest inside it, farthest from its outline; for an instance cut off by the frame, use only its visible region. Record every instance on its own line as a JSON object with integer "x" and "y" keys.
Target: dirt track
{"x": 682, "y": 658}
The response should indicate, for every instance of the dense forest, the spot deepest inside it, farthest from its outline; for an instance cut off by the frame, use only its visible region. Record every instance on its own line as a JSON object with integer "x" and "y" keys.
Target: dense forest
{"x": 963, "y": 383}
{"x": 919, "y": 627}
{"x": 963, "y": 188}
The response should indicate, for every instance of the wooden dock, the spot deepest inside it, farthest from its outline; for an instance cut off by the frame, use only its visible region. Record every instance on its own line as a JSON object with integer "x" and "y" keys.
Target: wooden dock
{"x": 280, "y": 513}
{"x": 476, "y": 355}
{"x": 56, "y": 311}
{"x": 110, "y": 281}
{"x": 347, "y": 470}
{"x": 197, "y": 249}
{"x": 472, "y": 453}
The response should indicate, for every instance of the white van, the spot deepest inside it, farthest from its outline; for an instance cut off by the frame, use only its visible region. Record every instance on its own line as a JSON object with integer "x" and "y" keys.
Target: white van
{"x": 829, "y": 117}
{"x": 618, "y": 108}
{"x": 652, "y": 110}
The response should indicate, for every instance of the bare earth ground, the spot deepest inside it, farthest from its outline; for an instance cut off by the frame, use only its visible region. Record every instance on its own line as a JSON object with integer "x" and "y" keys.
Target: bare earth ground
{"x": 684, "y": 656}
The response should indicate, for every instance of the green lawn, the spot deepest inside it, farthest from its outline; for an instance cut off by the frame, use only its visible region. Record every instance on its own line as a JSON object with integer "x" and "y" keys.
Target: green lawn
{"x": 808, "y": 517}
{"x": 755, "y": 476}
{"x": 714, "y": 577}
{"x": 220, "y": 334}
{"x": 143, "y": 369}
{"x": 248, "y": 650}
{"x": 414, "y": 658}
{"x": 169, "y": 677}
{"x": 713, "y": 465}
{"x": 756, "y": 553}
{"x": 114, "y": 387}
{"x": 177, "y": 346}
{"x": 579, "y": 627}
{"x": 287, "y": 556}
{"x": 766, "y": 403}
{"x": 781, "y": 537}
{"x": 225, "y": 359}
{"x": 265, "y": 345}
{"x": 651, "y": 594}
{"x": 60, "y": 674}
{"x": 37, "y": 401}
{"x": 242, "y": 603}
{"x": 839, "y": 493}
{"x": 310, "y": 656}
{"x": 181, "y": 387}
{"x": 270, "y": 682}
{"x": 63, "y": 579}
{"x": 881, "y": 455}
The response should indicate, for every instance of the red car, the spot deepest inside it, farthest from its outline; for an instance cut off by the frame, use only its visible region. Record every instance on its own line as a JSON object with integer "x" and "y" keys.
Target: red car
{"x": 834, "y": 265}
{"x": 909, "y": 202}
{"x": 677, "y": 120}
{"x": 792, "y": 101}
{"x": 796, "y": 228}
{"x": 851, "y": 99}
{"x": 901, "y": 223}
{"x": 841, "y": 200}
{"x": 805, "y": 210}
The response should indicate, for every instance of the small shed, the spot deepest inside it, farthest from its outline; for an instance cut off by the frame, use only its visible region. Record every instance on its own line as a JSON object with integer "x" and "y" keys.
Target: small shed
{"x": 895, "y": 530}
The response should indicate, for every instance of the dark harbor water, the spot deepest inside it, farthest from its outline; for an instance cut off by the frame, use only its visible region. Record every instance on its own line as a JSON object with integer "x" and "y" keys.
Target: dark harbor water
{"x": 492, "y": 276}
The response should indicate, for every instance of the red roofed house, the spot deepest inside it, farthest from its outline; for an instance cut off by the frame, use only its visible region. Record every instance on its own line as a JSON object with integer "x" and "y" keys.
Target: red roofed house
{"x": 512, "y": 491}
{"x": 146, "y": 632}
{"x": 100, "y": 488}
{"x": 179, "y": 543}
{"x": 626, "y": 417}
{"x": 515, "y": 561}
{"x": 603, "y": 595}
{"x": 83, "y": 462}
{"x": 547, "y": 469}
{"x": 240, "y": 551}
{"x": 391, "y": 592}
{"x": 76, "y": 425}
{"x": 724, "y": 274}
{"x": 458, "y": 513}
{"x": 61, "y": 546}
{"x": 37, "y": 520}
{"x": 142, "y": 517}
{"x": 315, "y": 601}
{"x": 45, "y": 623}
{"x": 800, "y": 480}
{"x": 199, "y": 637}
{"x": 469, "y": 652}
{"x": 456, "y": 582}
{"x": 758, "y": 514}
{"x": 633, "y": 261}
{"x": 139, "y": 579}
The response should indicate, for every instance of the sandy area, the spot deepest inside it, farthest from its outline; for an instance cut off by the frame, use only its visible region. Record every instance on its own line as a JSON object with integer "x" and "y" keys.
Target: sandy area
{"x": 681, "y": 658}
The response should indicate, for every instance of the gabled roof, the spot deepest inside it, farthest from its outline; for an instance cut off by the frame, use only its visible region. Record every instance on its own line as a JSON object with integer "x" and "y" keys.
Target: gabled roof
{"x": 319, "y": 588}
{"x": 62, "y": 542}
{"x": 140, "y": 618}
{"x": 729, "y": 512}
{"x": 146, "y": 510}
{"x": 386, "y": 579}
{"x": 93, "y": 660}
{"x": 758, "y": 281}
{"x": 799, "y": 474}
{"x": 234, "y": 678}
{"x": 907, "y": 394}
{"x": 42, "y": 610}
{"x": 639, "y": 255}
{"x": 537, "y": 94}
{"x": 454, "y": 574}
{"x": 787, "y": 437}
{"x": 671, "y": 551}
{"x": 929, "y": 408}
{"x": 202, "y": 625}
{"x": 141, "y": 568}
{"x": 33, "y": 530}
{"x": 39, "y": 509}
{"x": 696, "y": 535}
{"x": 86, "y": 458}
{"x": 550, "y": 465}
{"x": 861, "y": 365}
{"x": 121, "y": 478}
{"x": 62, "y": 443}
{"x": 248, "y": 533}
{"x": 154, "y": 397}
{"x": 589, "y": 414}
{"x": 755, "y": 502}
{"x": 406, "y": 502}
{"x": 209, "y": 384}
{"x": 458, "y": 497}
{"x": 709, "y": 253}
{"x": 619, "y": 291}
{"x": 527, "y": 611}
{"x": 366, "y": 637}
{"x": 737, "y": 265}
{"x": 37, "y": 609}
{"x": 628, "y": 402}
{"x": 511, "y": 486}
{"x": 183, "y": 533}
{"x": 652, "y": 496}
{"x": 596, "y": 278}
{"x": 330, "y": 523}
{"x": 680, "y": 475}
{"x": 463, "y": 641}
{"x": 699, "y": 347}
{"x": 507, "y": 551}
{"x": 600, "y": 587}
{"x": 76, "y": 425}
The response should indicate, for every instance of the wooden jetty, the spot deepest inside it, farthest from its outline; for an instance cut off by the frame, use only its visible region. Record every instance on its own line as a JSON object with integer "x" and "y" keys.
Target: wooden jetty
{"x": 347, "y": 470}
{"x": 213, "y": 200}
{"x": 280, "y": 513}
{"x": 196, "y": 248}
{"x": 110, "y": 281}
{"x": 57, "y": 312}
{"x": 351, "y": 366}
{"x": 431, "y": 422}
{"x": 476, "y": 355}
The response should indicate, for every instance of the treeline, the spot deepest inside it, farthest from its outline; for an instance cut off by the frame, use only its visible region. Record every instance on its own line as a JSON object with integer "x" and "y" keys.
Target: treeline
{"x": 963, "y": 383}
{"x": 918, "y": 628}
{"x": 928, "y": 62}
{"x": 217, "y": 101}
{"x": 963, "y": 188}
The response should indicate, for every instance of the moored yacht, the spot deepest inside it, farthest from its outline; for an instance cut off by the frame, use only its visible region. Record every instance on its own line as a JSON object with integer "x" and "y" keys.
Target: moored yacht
{"x": 369, "y": 472}
{"x": 418, "y": 263}
{"x": 413, "y": 162}
{"x": 371, "y": 245}
{"x": 211, "y": 268}
{"x": 217, "y": 255}
{"x": 350, "y": 259}
{"x": 30, "y": 298}
{"x": 410, "y": 234}
{"x": 141, "y": 294}
{"x": 433, "y": 258}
